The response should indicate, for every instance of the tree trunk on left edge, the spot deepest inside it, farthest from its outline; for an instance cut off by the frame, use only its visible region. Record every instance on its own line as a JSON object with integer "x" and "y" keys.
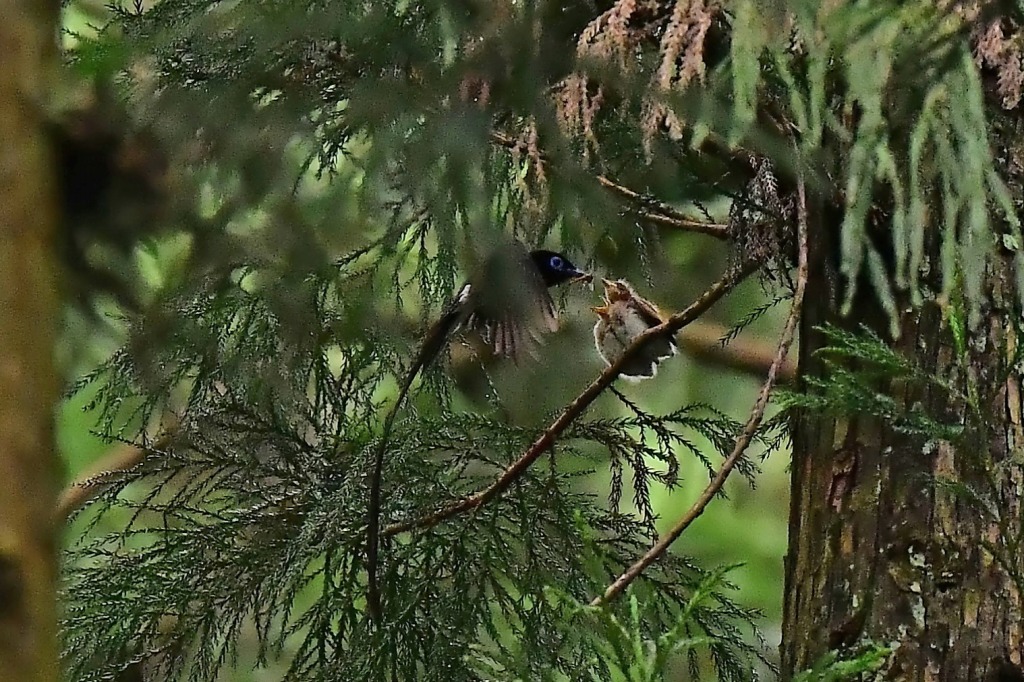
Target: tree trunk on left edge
{"x": 29, "y": 390}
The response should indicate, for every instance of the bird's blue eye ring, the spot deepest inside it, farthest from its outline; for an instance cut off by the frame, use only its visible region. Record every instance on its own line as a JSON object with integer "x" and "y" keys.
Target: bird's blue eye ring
{"x": 557, "y": 262}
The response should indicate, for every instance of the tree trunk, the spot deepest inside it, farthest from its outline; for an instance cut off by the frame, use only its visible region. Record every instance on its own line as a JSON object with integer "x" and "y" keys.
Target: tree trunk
{"x": 877, "y": 552}
{"x": 28, "y": 320}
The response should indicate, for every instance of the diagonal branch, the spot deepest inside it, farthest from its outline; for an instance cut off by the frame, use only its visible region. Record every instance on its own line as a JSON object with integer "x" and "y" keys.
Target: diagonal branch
{"x": 664, "y": 214}
{"x": 574, "y": 409}
{"x": 120, "y": 458}
{"x": 746, "y": 436}
{"x": 702, "y": 340}
{"x": 647, "y": 209}
{"x": 99, "y": 475}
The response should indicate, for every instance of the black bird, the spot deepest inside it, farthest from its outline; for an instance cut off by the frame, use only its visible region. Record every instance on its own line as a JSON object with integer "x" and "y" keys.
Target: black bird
{"x": 508, "y": 304}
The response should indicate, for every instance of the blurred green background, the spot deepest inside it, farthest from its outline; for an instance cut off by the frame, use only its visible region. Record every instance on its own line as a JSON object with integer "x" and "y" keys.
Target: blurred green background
{"x": 748, "y": 527}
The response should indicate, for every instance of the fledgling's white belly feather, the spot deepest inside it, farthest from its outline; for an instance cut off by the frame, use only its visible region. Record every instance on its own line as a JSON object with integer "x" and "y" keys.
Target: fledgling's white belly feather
{"x": 616, "y": 333}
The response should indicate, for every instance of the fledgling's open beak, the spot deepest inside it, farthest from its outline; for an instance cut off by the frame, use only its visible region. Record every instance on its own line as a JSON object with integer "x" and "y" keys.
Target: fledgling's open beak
{"x": 601, "y": 310}
{"x": 613, "y": 286}
{"x": 616, "y": 290}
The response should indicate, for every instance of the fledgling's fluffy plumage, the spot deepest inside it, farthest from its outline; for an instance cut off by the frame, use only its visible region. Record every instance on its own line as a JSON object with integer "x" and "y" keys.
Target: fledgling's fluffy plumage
{"x": 624, "y": 316}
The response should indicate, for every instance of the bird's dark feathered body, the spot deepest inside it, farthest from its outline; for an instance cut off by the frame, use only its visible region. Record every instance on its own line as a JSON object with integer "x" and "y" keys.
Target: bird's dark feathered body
{"x": 508, "y": 304}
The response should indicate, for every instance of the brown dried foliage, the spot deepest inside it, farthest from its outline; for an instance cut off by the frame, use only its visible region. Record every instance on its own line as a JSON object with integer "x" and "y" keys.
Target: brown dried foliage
{"x": 577, "y": 110}
{"x": 761, "y": 221}
{"x": 682, "y": 47}
{"x": 996, "y": 42}
{"x": 533, "y": 184}
{"x": 610, "y": 37}
{"x": 616, "y": 38}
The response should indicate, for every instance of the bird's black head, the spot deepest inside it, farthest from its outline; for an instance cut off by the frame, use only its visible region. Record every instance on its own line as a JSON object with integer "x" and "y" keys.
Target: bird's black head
{"x": 555, "y": 268}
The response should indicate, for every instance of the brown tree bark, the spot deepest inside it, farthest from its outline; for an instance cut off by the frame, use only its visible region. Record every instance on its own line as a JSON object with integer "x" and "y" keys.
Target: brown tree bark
{"x": 878, "y": 552}
{"x": 29, "y": 389}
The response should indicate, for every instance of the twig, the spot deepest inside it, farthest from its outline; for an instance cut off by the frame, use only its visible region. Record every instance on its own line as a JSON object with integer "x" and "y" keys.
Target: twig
{"x": 745, "y": 437}
{"x": 573, "y": 410}
{"x": 662, "y": 213}
{"x": 118, "y": 459}
{"x": 665, "y": 215}
{"x": 702, "y": 340}
{"x": 81, "y": 490}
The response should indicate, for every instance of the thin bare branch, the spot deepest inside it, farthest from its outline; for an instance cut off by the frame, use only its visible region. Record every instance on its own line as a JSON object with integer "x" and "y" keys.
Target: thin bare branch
{"x": 647, "y": 209}
{"x": 746, "y": 435}
{"x": 90, "y": 483}
{"x": 574, "y": 409}
{"x": 702, "y": 340}
{"x": 120, "y": 458}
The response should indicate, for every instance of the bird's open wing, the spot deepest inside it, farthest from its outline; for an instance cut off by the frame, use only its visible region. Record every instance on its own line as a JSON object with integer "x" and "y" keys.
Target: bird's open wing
{"x": 511, "y": 305}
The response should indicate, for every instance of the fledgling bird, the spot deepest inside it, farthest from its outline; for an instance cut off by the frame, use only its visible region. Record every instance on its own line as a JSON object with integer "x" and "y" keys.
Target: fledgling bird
{"x": 623, "y": 317}
{"x": 508, "y": 304}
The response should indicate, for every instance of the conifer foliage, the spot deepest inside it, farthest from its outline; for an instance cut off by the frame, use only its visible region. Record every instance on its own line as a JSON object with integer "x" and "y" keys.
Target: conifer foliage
{"x": 338, "y": 164}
